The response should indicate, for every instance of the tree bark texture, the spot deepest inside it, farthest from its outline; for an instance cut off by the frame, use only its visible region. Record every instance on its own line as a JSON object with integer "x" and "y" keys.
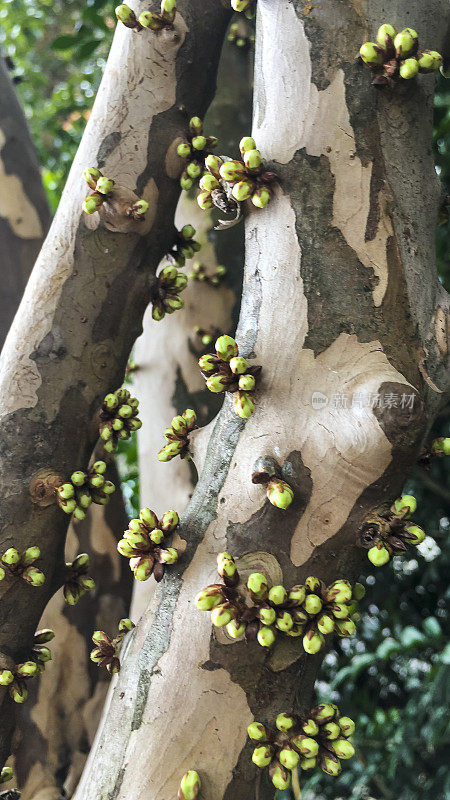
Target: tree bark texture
{"x": 84, "y": 303}
{"x": 24, "y": 211}
{"x": 340, "y": 297}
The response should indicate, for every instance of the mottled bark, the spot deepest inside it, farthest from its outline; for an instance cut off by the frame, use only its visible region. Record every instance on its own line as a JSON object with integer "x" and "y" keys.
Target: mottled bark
{"x": 340, "y": 297}
{"x": 84, "y": 303}
{"x": 24, "y": 211}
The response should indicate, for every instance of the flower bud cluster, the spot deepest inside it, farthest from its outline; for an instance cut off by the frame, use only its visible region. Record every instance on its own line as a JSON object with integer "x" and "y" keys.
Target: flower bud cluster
{"x": 16, "y": 677}
{"x": 440, "y": 447}
{"x": 77, "y": 581}
{"x": 247, "y": 6}
{"x": 227, "y": 371}
{"x": 165, "y": 294}
{"x": 397, "y": 55}
{"x": 118, "y": 418}
{"x": 84, "y": 488}
{"x": 244, "y": 180}
{"x": 199, "y": 273}
{"x": 319, "y": 740}
{"x": 195, "y": 151}
{"x": 6, "y": 774}
{"x": 148, "y": 19}
{"x": 144, "y": 543}
{"x": 390, "y": 534}
{"x": 40, "y": 653}
{"x": 21, "y": 565}
{"x": 256, "y": 611}
{"x": 190, "y": 785}
{"x": 184, "y": 246}
{"x": 106, "y": 650}
{"x": 240, "y": 35}
{"x": 102, "y": 188}
{"x": 177, "y": 436}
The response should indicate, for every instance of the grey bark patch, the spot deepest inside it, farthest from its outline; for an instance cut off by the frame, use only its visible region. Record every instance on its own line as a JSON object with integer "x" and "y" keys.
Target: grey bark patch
{"x": 107, "y": 146}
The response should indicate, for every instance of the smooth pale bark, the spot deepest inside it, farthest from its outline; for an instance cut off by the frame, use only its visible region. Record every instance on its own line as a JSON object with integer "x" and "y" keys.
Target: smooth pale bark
{"x": 84, "y": 303}
{"x": 340, "y": 297}
{"x": 24, "y": 211}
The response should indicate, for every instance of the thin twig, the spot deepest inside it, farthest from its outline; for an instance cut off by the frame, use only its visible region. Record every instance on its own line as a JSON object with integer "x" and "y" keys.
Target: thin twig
{"x": 296, "y": 785}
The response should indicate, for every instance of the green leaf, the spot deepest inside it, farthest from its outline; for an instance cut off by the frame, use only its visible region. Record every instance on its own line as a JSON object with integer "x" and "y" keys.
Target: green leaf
{"x": 87, "y": 48}
{"x": 431, "y": 627}
{"x": 63, "y": 42}
{"x": 387, "y": 648}
{"x": 411, "y": 637}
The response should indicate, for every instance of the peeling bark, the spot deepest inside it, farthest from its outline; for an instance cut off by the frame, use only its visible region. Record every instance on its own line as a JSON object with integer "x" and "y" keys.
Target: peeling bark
{"x": 340, "y": 295}
{"x": 84, "y": 303}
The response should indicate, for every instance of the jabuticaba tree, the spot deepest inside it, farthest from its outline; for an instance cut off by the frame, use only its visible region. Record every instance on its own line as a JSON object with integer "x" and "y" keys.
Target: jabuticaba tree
{"x": 83, "y": 306}
{"x": 343, "y": 309}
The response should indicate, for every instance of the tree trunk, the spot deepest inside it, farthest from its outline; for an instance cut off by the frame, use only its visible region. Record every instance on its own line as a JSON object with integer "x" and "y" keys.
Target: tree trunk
{"x": 341, "y": 298}
{"x": 24, "y": 211}
{"x": 85, "y": 300}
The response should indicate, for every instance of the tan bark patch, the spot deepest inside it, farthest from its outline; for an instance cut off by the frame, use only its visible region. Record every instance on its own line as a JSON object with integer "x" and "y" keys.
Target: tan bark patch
{"x": 15, "y": 205}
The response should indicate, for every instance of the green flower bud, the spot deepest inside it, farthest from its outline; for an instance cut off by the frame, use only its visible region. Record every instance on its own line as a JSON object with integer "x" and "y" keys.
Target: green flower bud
{"x": 92, "y": 203}
{"x": 246, "y": 383}
{"x": 11, "y": 556}
{"x": 91, "y": 174}
{"x": 252, "y": 159}
{"x": 330, "y": 764}
{"x": 226, "y": 348}
{"x": 313, "y": 642}
{"x": 79, "y": 513}
{"x": 258, "y": 732}
{"x": 358, "y": 591}
{"x": 207, "y": 363}
{"x": 135, "y": 424}
{"x": 18, "y": 692}
{"x": 331, "y": 730}
{"x": 238, "y": 365}
{"x": 342, "y": 748}
{"x": 96, "y": 655}
{"x": 235, "y": 630}
{"x": 305, "y": 745}
{"x": 140, "y": 207}
{"x": 108, "y": 488}
{"x": 403, "y": 43}
{"x": 6, "y": 774}
{"x": 310, "y": 727}
{"x": 195, "y": 125}
{"x": 437, "y": 63}
{"x": 44, "y": 635}
{"x": 378, "y": 555}
{"x": 44, "y": 654}
{"x": 232, "y": 170}
{"x": 371, "y": 53}
{"x": 68, "y": 506}
{"x": 30, "y": 555}
{"x": 312, "y": 604}
{"x": 323, "y": 713}
{"x": 340, "y": 591}
{"x": 194, "y": 169}
{"x": 347, "y": 726}
{"x": 156, "y": 536}
{"x": 239, "y": 5}
{"x": 104, "y": 185}
{"x": 187, "y": 232}
{"x": 71, "y": 596}
{"x": 174, "y": 304}
{"x": 186, "y": 182}
{"x": 426, "y": 62}
{"x": 126, "y": 625}
{"x": 170, "y": 521}
{"x": 308, "y": 763}
{"x": 345, "y": 627}
{"x": 184, "y": 150}
{"x": 288, "y": 757}
{"x": 158, "y": 313}
{"x": 208, "y": 182}
{"x": 280, "y": 778}
{"x": 385, "y": 32}
{"x": 190, "y": 417}
{"x": 87, "y": 584}
{"x": 205, "y": 201}
{"x": 169, "y": 451}
{"x": 261, "y": 197}
{"x": 143, "y": 568}
{"x": 216, "y": 383}
{"x": 262, "y": 756}
{"x": 411, "y": 32}
{"x": 279, "y": 493}
{"x": 277, "y": 595}
{"x": 96, "y": 481}
{"x": 149, "y": 20}
{"x": 246, "y": 144}
{"x": 284, "y": 722}
{"x": 6, "y": 677}
{"x": 284, "y": 621}
{"x": 267, "y": 616}
{"x": 243, "y": 405}
{"x": 168, "y": 274}
{"x": 325, "y": 624}
{"x": 213, "y": 164}
{"x": 340, "y": 610}
{"x": 242, "y": 190}
{"x": 257, "y": 585}
{"x": 313, "y": 584}
{"x": 169, "y": 556}
{"x": 199, "y": 142}
{"x": 417, "y": 532}
{"x": 297, "y": 594}
{"x": 26, "y": 670}
{"x": 220, "y": 616}
{"x": 190, "y": 785}
{"x": 208, "y": 599}
{"x": 125, "y": 15}
{"x": 265, "y": 636}
{"x": 227, "y": 569}
{"x": 168, "y": 9}
{"x": 78, "y": 478}
{"x": 409, "y": 68}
